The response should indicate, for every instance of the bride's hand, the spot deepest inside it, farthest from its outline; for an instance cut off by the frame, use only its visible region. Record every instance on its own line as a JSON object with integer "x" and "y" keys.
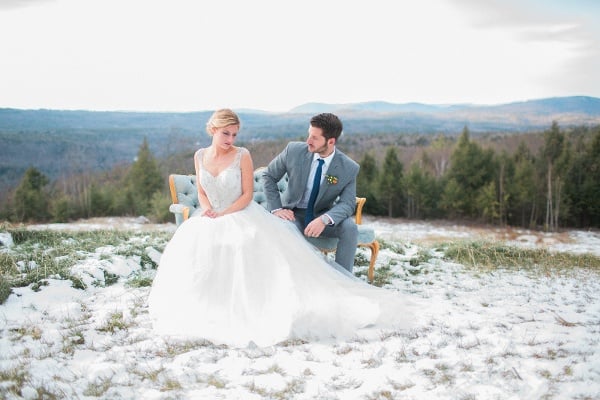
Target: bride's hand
{"x": 210, "y": 213}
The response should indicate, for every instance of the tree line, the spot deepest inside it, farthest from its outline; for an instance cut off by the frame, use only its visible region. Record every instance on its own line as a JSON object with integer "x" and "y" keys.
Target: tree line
{"x": 556, "y": 185}
{"x": 136, "y": 189}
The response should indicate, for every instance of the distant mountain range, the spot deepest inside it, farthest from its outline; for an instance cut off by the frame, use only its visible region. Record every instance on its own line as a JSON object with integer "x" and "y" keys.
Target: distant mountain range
{"x": 59, "y": 142}
{"x": 367, "y": 117}
{"x": 510, "y": 117}
{"x": 582, "y": 105}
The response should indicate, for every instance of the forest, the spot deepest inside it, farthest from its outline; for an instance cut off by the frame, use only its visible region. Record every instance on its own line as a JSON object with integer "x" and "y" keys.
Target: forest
{"x": 546, "y": 180}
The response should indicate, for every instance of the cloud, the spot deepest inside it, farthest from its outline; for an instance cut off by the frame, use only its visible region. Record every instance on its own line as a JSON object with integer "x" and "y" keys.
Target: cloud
{"x": 565, "y": 34}
{"x": 14, "y": 4}
{"x": 189, "y": 55}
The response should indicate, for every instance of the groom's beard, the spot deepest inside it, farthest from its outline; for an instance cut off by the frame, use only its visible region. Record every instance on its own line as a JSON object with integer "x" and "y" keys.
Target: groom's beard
{"x": 320, "y": 150}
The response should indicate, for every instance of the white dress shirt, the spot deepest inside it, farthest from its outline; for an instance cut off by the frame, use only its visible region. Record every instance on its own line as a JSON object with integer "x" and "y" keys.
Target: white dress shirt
{"x": 311, "y": 176}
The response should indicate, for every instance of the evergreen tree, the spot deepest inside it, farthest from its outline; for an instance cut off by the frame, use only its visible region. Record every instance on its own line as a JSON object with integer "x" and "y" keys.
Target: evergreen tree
{"x": 142, "y": 181}
{"x": 101, "y": 200}
{"x": 390, "y": 183}
{"x": 60, "y": 208}
{"x": 365, "y": 184}
{"x": 471, "y": 169}
{"x": 490, "y": 206}
{"x": 420, "y": 192}
{"x": 30, "y": 202}
{"x": 591, "y": 185}
{"x": 523, "y": 188}
{"x": 553, "y": 147}
{"x": 504, "y": 177}
{"x": 582, "y": 184}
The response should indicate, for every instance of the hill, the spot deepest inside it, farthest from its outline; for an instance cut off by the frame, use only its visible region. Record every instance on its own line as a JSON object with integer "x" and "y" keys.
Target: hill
{"x": 59, "y": 142}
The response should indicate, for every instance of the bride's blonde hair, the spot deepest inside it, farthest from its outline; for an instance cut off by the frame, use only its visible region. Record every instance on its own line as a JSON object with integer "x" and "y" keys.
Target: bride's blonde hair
{"x": 222, "y": 118}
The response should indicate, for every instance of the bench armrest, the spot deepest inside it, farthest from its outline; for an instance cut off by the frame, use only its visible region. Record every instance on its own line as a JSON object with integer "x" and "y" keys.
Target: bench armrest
{"x": 360, "y": 202}
{"x": 181, "y": 212}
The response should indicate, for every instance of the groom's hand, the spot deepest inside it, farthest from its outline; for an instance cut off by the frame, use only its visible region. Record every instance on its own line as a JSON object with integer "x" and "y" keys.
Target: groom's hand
{"x": 285, "y": 213}
{"x": 314, "y": 228}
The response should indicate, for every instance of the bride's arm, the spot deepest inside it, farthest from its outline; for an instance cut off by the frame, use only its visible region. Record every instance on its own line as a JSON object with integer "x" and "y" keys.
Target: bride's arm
{"x": 246, "y": 165}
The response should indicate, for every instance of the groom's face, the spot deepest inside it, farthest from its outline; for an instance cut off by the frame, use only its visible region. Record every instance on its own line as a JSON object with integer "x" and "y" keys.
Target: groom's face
{"x": 317, "y": 143}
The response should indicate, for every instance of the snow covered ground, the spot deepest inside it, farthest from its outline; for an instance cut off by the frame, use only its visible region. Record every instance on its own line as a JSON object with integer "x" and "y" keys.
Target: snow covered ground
{"x": 499, "y": 334}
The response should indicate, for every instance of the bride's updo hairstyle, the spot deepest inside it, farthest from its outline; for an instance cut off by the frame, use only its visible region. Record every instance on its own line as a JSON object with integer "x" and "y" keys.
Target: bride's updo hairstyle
{"x": 222, "y": 118}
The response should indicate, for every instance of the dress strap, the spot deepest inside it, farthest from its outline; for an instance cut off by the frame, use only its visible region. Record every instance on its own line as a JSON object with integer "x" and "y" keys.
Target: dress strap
{"x": 238, "y": 156}
{"x": 199, "y": 159}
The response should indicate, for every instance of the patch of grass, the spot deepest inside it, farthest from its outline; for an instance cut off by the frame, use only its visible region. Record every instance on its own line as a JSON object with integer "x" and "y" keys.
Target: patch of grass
{"x": 8, "y": 264}
{"x": 360, "y": 260}
{"x": 292, "y": 342}
{"x": 115, "y": 323}
{"x": 385, "y": 335}
{"x": 440, "y": 375}
{"x": 43, "y": 254}
{"x": 400, "y": 356}
{"x": 99, "y": 388}
{"x": 37, "y": 286}
{"x": 13, "y": 379}
{"x": 423, "y": 255}
{"x": 383, "y": 275}
{"x": 392, "y": 246}
{"x": 171, "y": 384}
{"x": 72, "y": 339}
{"x": 151, "y": 374}
{"x": 139, "y": 281}
{"x": 342, "y": 351}
{"x": 400, "y": 386}
{"x": 216, "y": 382}
{"x": 83, "y": 240}
{"x": 32, "y": 331}
{"x": 252, "y": 388}
{"x": 175, "y": 348}
{"x": 109, "y": 279}
{"x": 146, "y": 261}
{"x": 492, "y": 255}
{"x": 380, "y": 394}
{"x": 295, "y": 386}
{"x": 567, "y": 370}
{"x": 341, "y": 382}
{"x": 371, "y": 362}
{"x": 5, "y": 289}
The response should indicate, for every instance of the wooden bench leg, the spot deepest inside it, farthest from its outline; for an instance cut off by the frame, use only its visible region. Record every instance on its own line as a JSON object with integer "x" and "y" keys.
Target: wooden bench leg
{"x": 374, "y": 246}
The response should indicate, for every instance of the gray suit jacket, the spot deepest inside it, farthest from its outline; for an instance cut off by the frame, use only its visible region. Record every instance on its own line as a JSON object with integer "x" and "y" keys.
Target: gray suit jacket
{"x": 295, "y": 160}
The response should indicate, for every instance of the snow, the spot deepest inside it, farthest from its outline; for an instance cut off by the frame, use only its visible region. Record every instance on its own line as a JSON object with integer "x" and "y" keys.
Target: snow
{"x": 498, "y": 334}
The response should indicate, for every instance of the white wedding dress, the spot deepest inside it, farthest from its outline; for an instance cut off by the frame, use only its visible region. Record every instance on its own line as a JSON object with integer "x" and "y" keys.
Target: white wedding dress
{"x": 252, "y": 277}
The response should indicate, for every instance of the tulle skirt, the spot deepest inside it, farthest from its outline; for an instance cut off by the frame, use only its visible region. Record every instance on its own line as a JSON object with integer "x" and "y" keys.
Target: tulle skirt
{"x": 251, "y": 277}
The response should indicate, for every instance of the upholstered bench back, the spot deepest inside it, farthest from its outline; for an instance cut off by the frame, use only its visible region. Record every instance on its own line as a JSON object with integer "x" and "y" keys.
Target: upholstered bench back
{"x": 184, "y": 193}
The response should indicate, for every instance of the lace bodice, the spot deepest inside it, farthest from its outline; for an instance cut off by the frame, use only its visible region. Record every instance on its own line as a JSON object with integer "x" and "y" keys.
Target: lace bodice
{"x": 225, "y": 188}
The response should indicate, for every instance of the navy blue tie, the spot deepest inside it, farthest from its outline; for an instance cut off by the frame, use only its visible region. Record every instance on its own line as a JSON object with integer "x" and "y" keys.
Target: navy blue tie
{"x": 310, "y": 212}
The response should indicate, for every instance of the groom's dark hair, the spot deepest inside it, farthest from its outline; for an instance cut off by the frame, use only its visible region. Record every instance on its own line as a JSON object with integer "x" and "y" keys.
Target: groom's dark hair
{"x": 330, "y": 124}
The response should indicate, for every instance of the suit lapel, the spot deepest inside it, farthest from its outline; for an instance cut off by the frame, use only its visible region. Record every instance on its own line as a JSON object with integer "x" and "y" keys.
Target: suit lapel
{"x": 306, "y": 162}
{"x": 332, "y": 171}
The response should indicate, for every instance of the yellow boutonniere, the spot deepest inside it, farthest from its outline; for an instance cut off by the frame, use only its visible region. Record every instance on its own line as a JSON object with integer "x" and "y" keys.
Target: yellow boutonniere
{"x": 332, "y": 180}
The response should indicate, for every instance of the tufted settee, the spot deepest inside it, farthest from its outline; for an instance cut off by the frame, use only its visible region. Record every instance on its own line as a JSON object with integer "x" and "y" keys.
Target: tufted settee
{"x": 184, "y": 196}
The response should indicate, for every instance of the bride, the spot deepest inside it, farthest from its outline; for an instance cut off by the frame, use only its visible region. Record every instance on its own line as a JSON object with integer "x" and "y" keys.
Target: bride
{"x": 234, "y": 274}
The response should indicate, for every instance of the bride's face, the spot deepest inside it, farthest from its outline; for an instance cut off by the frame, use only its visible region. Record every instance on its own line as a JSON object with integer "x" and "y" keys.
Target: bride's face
{"x": 225, "y": 137}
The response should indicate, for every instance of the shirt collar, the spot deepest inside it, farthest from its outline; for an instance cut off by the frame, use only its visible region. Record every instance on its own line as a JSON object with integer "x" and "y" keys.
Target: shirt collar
{"x": 327, "y": 159}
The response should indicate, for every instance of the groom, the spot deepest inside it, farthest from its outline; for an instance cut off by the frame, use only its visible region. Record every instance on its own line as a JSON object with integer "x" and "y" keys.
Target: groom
{"x": 318, "y": 175}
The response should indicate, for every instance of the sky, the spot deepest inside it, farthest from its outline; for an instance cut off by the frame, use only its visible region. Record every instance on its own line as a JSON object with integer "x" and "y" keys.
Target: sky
{"x": 188, "y": 55}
